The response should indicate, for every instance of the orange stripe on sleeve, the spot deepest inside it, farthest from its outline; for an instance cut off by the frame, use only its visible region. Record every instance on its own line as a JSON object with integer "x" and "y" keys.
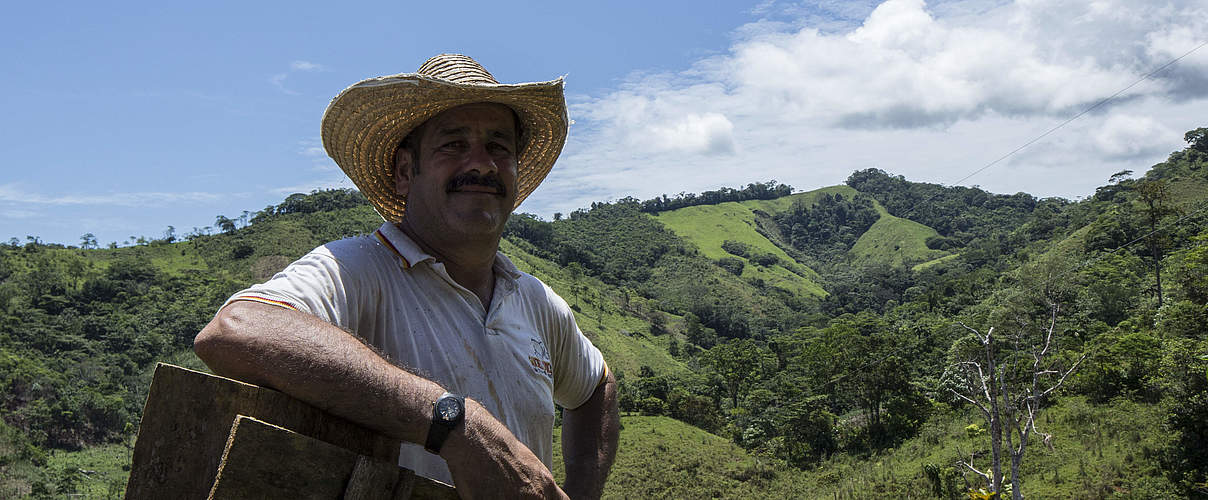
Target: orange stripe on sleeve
{"x": 263, "y": 300}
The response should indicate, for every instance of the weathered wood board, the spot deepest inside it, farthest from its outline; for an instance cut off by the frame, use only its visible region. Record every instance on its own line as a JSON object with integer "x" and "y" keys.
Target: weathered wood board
{"x": 191, "y": 421}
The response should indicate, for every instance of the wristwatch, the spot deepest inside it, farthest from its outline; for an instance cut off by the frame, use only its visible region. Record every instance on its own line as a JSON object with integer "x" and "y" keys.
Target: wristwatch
{"x": 448, "y": 411}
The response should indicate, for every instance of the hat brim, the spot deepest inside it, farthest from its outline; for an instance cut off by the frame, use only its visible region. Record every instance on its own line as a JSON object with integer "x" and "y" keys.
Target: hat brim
{"x": 364, "y": 125}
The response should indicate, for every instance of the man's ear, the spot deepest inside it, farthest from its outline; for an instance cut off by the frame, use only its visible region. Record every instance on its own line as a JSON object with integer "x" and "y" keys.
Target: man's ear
{"x": 402, "y": 171}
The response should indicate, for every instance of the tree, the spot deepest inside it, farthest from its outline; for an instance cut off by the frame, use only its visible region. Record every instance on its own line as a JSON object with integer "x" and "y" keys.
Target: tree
{"x": 1008, "y": 382}
{"x": 1192, "y": 270}
{"x": 1155, "y": 194}
{"x": 1197, "y": 139}
{"x": 225, "y": 224}
{"x": 740, "y": 363}
{"x": 87, "y": 241}
{"x": 871, "y": 357}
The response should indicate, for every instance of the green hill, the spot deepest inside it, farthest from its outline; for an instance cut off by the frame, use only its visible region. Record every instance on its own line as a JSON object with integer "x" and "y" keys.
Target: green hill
{"x": 810, "y": 339}
{"x": 659, "y": 457}
{"x": 707, "y": 226}
{"x": 890, "y": 240}
{"x": 895, "y": 241}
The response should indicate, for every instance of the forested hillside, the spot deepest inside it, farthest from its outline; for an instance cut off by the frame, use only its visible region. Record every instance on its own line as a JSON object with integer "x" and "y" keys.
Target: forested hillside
{"x": 830, "y": 343}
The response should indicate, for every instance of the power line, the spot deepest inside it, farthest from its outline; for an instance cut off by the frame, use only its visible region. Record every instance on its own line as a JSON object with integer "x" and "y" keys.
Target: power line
{"x": 1079, "y": 115}
{"x": 1041, "y": 136}
{"x": 1100, "y": 103}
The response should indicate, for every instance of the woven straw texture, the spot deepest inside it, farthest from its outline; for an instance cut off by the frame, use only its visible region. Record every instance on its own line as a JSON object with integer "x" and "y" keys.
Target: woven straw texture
{"x": 365, "y": 123}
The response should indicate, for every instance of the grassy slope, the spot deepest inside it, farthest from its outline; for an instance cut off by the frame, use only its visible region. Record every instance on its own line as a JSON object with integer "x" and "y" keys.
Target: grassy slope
{"x": 891, "y": 240}
{"x": 659, "y": 457}
{"x": 608, "y": 316}
{"x": 1098, "y": 451}
{"x": 896, "y": 241}
{"x": 707, "y": 226}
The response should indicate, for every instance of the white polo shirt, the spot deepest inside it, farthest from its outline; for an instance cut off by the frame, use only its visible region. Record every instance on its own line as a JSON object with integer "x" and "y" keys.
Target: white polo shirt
{"x": 517, "y": 359}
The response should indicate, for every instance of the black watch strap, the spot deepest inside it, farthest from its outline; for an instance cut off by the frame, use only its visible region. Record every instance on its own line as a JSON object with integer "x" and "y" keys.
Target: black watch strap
{"x": 447, "y": 412}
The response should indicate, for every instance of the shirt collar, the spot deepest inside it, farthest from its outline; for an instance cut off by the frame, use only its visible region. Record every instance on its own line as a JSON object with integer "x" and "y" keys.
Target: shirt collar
{"x": 411, "y": 254}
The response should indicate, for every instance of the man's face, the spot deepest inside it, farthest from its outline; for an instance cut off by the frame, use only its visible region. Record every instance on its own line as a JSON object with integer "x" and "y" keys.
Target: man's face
{"x": 465, "y": 184}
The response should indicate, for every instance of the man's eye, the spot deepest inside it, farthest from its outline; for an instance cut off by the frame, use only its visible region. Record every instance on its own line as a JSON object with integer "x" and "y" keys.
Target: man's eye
{"x": 454, "y": 145}
{"x": 499, "y": 148}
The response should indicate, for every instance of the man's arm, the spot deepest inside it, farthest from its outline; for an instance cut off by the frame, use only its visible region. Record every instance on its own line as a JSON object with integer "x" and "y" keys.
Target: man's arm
{"x": 589, "y": 441}
{"x": 327, "y": 367}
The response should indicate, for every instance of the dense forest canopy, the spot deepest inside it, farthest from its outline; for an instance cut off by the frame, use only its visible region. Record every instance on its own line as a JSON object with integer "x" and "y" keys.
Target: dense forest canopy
{"x": 707, "y": 328}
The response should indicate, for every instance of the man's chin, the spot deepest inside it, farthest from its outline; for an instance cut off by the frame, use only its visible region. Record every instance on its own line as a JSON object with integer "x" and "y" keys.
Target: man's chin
{"x": 479, "y": 222}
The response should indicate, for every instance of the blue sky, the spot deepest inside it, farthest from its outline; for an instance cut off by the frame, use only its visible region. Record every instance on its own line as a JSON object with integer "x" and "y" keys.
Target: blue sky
{"x": 123, "y": 119}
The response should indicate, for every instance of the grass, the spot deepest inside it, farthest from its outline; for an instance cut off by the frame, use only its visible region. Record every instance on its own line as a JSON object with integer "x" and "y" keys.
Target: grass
{"x": 612, "y": 318}
{"x": 659, "y": 457}
{"x": 895, "y": 241}
{"x": 98, "y": 472}
{"x": 95, "y": 472}
{"x": 891, "y": 240}
{"x": 707, "y": 226}
{"x": 932, "y": 262}
{"x": 1099, "y": 451}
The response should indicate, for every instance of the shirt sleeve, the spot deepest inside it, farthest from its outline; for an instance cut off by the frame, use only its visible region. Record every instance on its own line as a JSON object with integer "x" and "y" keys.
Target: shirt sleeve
{"x": 578, "y": 365}
{"x": 315, "y": 284}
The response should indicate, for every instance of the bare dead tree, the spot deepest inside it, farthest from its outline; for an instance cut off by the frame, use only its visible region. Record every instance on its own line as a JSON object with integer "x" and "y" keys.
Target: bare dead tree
{"x": 1009, "y": 393}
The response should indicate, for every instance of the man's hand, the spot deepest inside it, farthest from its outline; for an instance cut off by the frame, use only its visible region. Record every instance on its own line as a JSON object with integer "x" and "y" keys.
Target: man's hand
{"x": 487, "y": 461}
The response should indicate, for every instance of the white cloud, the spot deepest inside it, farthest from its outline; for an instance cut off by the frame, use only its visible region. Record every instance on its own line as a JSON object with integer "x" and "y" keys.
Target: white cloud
{"x": 312, "y": 150}
{"x": 306, "y": 66}
{"x": 14, "y": 193}
{"x": 278, "y": 79}
{"x": 335, "y": 182}
{"x": 708, "y": 133}
{"x": 1124, "y": 135}
{"x": 933, "y": 94}
{"x": 18, "y": 214}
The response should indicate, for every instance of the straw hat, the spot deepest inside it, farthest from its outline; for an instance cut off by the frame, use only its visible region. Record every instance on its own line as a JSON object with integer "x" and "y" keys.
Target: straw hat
{"x": 364, "y": 125}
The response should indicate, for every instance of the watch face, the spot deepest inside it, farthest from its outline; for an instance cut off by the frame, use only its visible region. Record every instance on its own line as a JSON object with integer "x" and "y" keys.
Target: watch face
{"x": 448, "y": 409}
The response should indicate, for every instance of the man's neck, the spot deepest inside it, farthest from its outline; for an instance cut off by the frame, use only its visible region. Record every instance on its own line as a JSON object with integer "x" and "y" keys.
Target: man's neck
{"x": 470, "y": 264}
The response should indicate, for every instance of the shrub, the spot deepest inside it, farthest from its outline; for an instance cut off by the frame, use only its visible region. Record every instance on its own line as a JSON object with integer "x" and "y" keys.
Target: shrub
{"x": 735, "y": 248}
{"x": 732, "y": 264}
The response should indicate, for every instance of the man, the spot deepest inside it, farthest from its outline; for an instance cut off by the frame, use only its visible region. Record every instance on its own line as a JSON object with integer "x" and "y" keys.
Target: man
{"x": 424, "y": 331}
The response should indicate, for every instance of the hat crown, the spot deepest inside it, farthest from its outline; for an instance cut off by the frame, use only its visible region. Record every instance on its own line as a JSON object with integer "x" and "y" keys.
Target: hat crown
{"x": 456, "y": 68}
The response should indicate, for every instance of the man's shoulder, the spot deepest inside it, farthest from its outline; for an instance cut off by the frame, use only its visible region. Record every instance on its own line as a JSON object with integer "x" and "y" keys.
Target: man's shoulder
{"x": 536, "y": 290}
{"x": 355, "y": 252}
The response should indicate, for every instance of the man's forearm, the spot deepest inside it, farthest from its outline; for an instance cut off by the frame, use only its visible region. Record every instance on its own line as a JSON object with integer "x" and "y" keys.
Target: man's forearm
{"x": 589, "y": 441}
{"x": 318, "y": 363}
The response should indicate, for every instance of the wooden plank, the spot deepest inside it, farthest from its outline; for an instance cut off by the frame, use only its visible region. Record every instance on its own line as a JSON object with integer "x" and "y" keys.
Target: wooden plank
{"x": 187, "y": 420}
{"x": 427, "y": 489}
{"x": 262, "y": 460}
{"x": 372, "y": 480}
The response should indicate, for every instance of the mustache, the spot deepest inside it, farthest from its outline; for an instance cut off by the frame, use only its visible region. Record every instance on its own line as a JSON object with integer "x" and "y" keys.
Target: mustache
{"x": 490, "y": 180}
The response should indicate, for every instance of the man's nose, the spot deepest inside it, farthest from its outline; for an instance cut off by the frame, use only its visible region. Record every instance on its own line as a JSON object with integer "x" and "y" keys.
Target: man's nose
{"x": 481, "y": 160}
